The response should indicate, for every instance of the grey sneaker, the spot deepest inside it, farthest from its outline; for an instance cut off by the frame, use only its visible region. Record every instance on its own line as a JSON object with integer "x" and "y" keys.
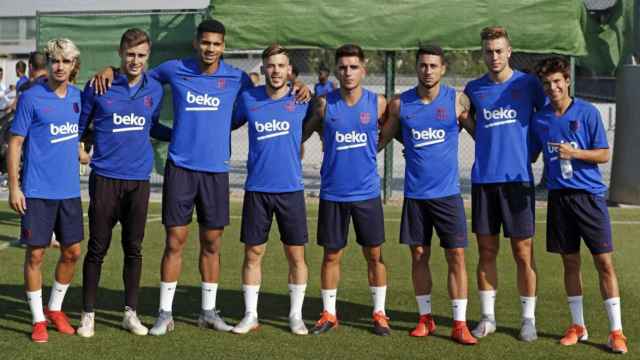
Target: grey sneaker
{"x": 163, "y": 324}
{"x": 528, "y": 330}
{"x": 212, "y": 319}
{"x": 486, "y": 326}
{"x": 297, "y": 326}
{"x": 132, "y": 323}
{"x": 87, "y": 325}
{"x": 248, "y": 323}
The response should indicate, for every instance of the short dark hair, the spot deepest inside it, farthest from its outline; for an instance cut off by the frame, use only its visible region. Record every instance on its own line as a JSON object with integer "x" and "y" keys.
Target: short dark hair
{"x": 21, "y": 66}
{"x": 212, "y": 26}
{"x": 37, "y": 60}
{"x": 552, "y": 65}
{"x": 348, "y": 50}
{"x": 274, "y": 49}
{"x": 493, "y": 33}
{"x": 430, "y": 49}
{"x": 323, "y": 69}
{"x": 134, "y": 37}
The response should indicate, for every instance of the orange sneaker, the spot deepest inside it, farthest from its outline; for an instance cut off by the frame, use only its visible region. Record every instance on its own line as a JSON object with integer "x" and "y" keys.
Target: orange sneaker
{"x": 617, "y": 343}
{"x": 426, "y": 326}
{"x": 574, "y": 334}
{"x": 39, "y": 332}
{"x": 327, "y": 322}
{"x": 461, "y": 334}
{"x": 60, "y": 321}
{"x": 381, "y": 324}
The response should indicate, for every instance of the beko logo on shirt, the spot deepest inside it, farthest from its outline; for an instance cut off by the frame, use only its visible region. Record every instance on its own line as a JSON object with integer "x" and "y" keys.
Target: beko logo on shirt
{"x": 552, "y": 148}
{"x": 273, "y": 127}
{"x": 499, "y": 116}
{"x": 131, "y": 121}
{"x": 353, "y": 139}
{"x": 429, "y": 136}
{"x": 68, "y": 129}
{"x": 208, "y": 103}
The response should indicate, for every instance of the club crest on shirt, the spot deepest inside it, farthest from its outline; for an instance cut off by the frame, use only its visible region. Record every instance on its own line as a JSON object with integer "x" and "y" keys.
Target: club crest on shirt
{"x": 441, "y": 114}
{"x": 221, "y": 83}
{"x": 76, "y": 107}
{"x": 516, "y": 94}
{"x": 148, "y": 101}
{"x": 290, "y": 106}
{"x": 574, "y": 125}
{"x": 365, "y": 118}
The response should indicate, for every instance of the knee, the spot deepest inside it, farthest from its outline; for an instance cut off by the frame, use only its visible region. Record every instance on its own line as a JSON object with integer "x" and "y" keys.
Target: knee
{"x": 605, "y": 267}
{"x": 488, "y": 253}
{"x": 71, "y": 255}
{"x": 331, "y": 258}
{"x": 455, "y": 258}
{"x": 375, "y": 259}
{"x": 35, "y": 258}
{"x": 132, "y": 251}
{"x": 253, "y": 256}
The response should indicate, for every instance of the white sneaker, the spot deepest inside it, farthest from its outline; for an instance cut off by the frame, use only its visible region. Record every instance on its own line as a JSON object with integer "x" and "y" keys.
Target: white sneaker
{"x": 528, "y": 331}
{"x": 297, "y": 326}
{"x": 248, "y": 323}
{"x": 163, "y": 324}
{"x": 485, "y": 327}
{"x": 212, "y": 319}
{"x": 132, "y": 323}
{"x": 87, "y": 325}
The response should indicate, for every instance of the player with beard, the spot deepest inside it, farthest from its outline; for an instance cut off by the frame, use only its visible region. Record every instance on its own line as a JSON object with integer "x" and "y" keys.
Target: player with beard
{"x": 274, "y": 185}
{"x": 429, "y": 118}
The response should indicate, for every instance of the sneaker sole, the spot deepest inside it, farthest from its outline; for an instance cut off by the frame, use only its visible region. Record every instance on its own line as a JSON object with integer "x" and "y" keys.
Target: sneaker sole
{"x": 170, "y": 328}
{"x": 243, "y": 332}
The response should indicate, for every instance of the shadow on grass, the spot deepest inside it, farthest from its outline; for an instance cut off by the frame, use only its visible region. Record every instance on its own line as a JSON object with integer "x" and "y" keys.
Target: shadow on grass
{"x": 273, "y": 310}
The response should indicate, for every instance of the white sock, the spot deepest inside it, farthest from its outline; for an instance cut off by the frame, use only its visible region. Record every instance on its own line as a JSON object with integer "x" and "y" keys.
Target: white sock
{"x": 488, "y": 302}
{"x": 296, "y": 296}
{"x": 613, "y": 312}
{"x": 378, "y": 295}
{"x": 575, "y": 305}
{"x": 57, "y": 296}
{"x": 424, "y": 304}
{"x": 528, "y": 307}
{"x": 251, "y": 293}
{"x": 209, "y": 292}
{"x": 329, "y": 300}
{"x": 167, "y": 290}
{"x": 459, "y": 307}
{"x": 34, "y": 299}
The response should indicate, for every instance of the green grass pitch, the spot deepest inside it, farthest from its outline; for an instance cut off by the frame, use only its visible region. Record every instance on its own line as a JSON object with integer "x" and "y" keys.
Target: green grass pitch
{"x": 353, "y": 339}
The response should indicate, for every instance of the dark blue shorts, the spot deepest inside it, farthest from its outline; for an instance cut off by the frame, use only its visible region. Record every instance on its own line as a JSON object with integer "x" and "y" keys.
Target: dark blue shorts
{"x": 257, "y": 215}
{"x": 575, "y": 214}
{"x": 510, "y": 205}
{"x": 44, "y": 217}
{"x": 334, "y": 218}
{"x": 446, "y": 214}
{"x": 184, "y": 188}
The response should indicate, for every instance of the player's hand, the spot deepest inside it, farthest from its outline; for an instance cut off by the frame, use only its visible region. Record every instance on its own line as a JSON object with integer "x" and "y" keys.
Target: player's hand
{"x": 301, "y": 92}
{"x": 101, "y": 81}
{"x": 565, "y": 150}
{"x": 83, "y": 156}
{"x": 17, "y": 201}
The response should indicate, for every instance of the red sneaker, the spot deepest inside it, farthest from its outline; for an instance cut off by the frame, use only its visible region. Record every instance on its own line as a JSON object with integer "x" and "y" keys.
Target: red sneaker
{"x": 460, "y": 333}
{"x": 426, "y": 326}
{"x": 617, "y": 343}
{"x": 39, "y": 332}
{"x": 381, "y": 324}
{"x": 574, "y": 334}
{"x": 327, "y": 322}
{"x": 60, "y": 321}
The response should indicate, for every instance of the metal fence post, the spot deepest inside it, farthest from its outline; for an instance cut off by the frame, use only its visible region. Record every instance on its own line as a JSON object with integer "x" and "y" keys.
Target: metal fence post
{"x": 389, "y": 86}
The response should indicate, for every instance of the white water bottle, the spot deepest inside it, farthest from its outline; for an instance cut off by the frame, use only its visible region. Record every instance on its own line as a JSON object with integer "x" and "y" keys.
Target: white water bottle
{"x": 566, "y": 169}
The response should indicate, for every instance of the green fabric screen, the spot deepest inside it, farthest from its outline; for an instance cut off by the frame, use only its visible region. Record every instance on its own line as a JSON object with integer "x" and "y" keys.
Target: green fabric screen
{"x": 538, "y": 26}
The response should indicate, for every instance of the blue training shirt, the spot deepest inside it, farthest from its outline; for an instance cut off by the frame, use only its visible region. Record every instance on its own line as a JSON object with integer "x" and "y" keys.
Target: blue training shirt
{"x": 50, "y": 168}
{"x": 503, "y": 114}
{"x": 21, "y": 81}
{"x": 430, "y": 135}
{"x": 323, "y": 89}
{"x": 123, "y": 118}
{"x": 202, "y": 107}
{"x": 350, "y": 134}
{"x": 581, "y": 126}
{"x": 275, "y": 135}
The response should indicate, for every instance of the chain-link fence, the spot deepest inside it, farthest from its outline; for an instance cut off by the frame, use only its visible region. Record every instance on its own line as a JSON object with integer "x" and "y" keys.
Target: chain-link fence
{"x": 462, "y": 67}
